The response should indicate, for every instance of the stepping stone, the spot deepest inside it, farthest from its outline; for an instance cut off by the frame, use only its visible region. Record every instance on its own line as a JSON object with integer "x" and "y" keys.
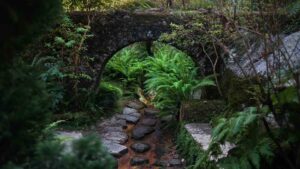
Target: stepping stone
{"x": 132, "y": 119}
{"x": 141, "y": 131}
{"x": 115, "y": 122}
{"x": 201, "y": 133}
{"x": 140, "y": 147}
{"x": 115, "y": 149}
{"x": 151, "y": 111}
{"x": 138, "y": 161}
{"x": 135, "y": 105}
{"x": 149, "y": 122}
{"x": 111, "y": 129}
{"x": 160, "y": 163}
{"x": 132, "y": 112}
{"x": 117, "y": 137}
{"x": 175, "y": 163}
{"x": 128, "y": 118}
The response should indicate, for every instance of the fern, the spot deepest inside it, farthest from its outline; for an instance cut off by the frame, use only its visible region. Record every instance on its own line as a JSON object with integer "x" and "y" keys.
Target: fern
{"x": 173, "y": 77}
{"x": 251, "y": 144}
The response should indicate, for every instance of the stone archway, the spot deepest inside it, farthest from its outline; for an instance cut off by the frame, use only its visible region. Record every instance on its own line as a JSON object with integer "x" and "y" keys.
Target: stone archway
{"x": 116, "y": 30}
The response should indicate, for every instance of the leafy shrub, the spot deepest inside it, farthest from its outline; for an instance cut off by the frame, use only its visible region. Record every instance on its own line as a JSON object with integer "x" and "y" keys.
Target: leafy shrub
{"x": 252, "y": 146}
{"x": 128, "y": 66}
{"x": 86, "y": 153}
{"x": 24, "y": 109}
{"x": 109, "y": 94}
{"x": 173, "y": 77}
{"x": 60, "y": 57}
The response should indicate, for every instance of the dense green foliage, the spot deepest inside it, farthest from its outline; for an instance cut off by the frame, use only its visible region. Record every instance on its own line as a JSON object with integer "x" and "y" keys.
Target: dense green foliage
{"x": 188, "y": 147}
{"x": 86, "y": 153}
{"x": 252, "y": 145}
{"x": 170, "y": 76}
{"x": 53, "y": 76}
{"x": 19, "y": 30}
{"x": 24, "y": 110}
{"x": 109, "y": 94}
{"x": 173, "y": 77}
{"x": 127, "y": 65}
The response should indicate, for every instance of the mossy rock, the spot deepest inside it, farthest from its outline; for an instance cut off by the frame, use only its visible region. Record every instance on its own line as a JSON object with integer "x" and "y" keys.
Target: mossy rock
{"x": 235, "y": 90}
{"x": 201, "y": 110}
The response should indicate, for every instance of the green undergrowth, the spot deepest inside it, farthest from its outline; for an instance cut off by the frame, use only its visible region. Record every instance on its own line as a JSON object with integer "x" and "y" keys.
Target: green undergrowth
{"x": 188, "y": 148}
{"x": 108, "y": 98}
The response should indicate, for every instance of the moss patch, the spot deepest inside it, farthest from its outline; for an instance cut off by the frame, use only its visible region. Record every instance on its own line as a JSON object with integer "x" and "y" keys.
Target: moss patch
{"x": 235, "y": 90}
{"x": 201, "y": 111}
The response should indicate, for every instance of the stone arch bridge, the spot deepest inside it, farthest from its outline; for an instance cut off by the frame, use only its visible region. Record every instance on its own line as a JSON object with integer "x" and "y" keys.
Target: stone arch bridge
{"x": 116, "y": 30}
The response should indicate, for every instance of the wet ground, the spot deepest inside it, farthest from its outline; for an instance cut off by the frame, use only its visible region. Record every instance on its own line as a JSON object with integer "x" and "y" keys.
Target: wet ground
{"x": 162, "y": 153}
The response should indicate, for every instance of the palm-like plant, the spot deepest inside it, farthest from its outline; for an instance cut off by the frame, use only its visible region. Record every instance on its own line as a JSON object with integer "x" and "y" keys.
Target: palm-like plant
{"x": 173, "y": 77}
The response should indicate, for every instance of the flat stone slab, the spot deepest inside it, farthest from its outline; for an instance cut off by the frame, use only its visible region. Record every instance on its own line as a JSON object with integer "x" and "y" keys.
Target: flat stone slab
{"x": 135, "y": 105}
{"x": 128, "y": 118}
{"x": 140, "y": 147}
{"x": 132, "y": 112}
{"x": 117, "y": 137}
{"x": 112, "y": 122}
{"x": 139, "y": 161}
{"x": 115, "y": 149}
{"x": 112, "y": 129}
{"x": 141, "y": 131}
{"x": 201, "y": 132}
{"x": 132, "y": 119}
{"x": 149, "y": 122}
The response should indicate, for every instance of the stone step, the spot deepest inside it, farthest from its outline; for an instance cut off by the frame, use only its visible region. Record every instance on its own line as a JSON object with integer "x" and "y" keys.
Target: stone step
{"x": 148, "y": 122}
{"x": 132, "y": 112}
{"x": 140, "y": 147}
{"x": 135, "y": 105}
{"x": 141, "y": 131}
{"x": 135, "y": 161}
{"x": 115, "y": 136}
{"x": 201, "y": 132}
{"x": 115, "y": 149}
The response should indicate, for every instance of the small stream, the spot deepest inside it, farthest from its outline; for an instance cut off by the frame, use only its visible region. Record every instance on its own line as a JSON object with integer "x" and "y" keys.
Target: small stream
{"x": 137, "y": 138}
{"x": 162, "y": 152}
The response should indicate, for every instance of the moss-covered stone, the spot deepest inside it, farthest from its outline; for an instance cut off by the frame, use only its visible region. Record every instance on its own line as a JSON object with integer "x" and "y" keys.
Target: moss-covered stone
{"x": 235, "y": 90}
{"x": 201, "y": 111}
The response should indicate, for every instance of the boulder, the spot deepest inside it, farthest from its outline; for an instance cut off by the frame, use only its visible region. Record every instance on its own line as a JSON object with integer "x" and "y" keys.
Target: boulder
{"x": 287, "y": 52}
